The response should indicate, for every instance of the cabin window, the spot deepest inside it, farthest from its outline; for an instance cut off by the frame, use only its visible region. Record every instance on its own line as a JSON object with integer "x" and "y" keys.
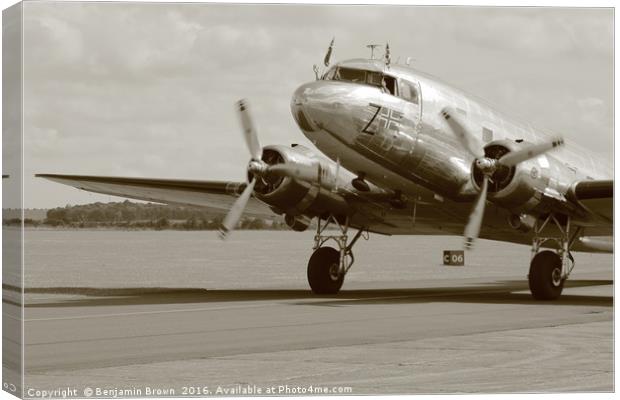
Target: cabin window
{"x": 408, "y": 91}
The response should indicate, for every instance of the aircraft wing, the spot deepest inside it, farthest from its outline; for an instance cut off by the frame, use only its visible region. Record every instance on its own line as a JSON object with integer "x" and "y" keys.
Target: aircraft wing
{"x": 596, "y": 196}
{"x": 428, "y": 216}
{"x": 214, "y": 195}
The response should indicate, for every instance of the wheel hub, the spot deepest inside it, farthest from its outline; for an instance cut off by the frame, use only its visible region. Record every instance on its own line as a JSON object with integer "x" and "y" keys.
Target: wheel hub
{"x": 334, "y": 272}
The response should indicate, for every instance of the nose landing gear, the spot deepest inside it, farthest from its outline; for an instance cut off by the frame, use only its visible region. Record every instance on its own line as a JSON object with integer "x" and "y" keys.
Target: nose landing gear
{"x": 328, "y": 266}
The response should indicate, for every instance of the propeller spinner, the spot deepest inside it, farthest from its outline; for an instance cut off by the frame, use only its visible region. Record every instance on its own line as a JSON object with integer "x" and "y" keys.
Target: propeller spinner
{"x": 488, "y": 166}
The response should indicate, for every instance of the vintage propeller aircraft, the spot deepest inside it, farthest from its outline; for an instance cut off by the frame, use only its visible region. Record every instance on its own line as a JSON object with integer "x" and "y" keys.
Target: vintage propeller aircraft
{"x": 406, "y": 155}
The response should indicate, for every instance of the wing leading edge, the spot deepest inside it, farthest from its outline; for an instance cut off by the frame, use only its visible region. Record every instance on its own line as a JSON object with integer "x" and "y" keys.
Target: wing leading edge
{"x": 215, "y": 195}
{"x": 596, "y": 196}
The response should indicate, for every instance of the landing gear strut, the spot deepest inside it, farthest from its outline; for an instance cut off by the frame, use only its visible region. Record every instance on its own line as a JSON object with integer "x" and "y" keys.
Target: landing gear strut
{"x": 548, "y": 269}
{"x": 328, "y": 266}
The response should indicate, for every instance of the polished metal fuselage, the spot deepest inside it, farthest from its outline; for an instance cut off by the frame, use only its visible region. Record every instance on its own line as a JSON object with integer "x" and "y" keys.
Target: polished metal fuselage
{"x": 397, "y": 143}
{"x": 406, "y": 146}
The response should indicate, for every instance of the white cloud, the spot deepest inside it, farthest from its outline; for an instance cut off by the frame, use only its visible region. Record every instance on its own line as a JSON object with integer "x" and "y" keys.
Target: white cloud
{"x": 149, "y": 88}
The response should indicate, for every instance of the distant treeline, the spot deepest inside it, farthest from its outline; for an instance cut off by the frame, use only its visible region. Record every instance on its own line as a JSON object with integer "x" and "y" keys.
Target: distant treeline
{"x": 130, "y": 215}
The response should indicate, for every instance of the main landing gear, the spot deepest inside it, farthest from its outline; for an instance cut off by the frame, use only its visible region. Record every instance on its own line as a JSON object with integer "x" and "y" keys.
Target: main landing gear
{"x": 550, "y": 269}
{"x": 328, "y": 266}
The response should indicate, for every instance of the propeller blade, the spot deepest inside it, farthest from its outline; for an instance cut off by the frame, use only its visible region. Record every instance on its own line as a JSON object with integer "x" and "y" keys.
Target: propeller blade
{"x": 472, "y": 230}
{"x": 515, "y": 157}
{"x": 233, "y": 216}
{"x": 249, "y": 130}
{"x": 309, "y": 173}
{"x": 467, "y": 140}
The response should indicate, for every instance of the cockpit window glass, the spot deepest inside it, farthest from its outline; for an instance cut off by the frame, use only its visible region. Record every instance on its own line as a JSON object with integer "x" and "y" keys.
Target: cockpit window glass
{"x": 408, "y": 91}
{"x": 388, "y": 84}
{"x": 385, "y": 82}
{"x": 374, "y": 78}
{"x": 351, "y": 75}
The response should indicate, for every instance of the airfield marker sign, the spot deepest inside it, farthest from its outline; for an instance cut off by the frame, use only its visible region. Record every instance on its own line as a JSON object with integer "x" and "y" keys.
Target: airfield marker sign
{"x": 454, "y": 257}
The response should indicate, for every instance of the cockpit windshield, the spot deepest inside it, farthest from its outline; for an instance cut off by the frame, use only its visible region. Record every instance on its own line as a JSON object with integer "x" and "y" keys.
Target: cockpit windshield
{"x": 400, "y": 87}
{"x": 351, "y": 75}
{"x": 387, "y": 83}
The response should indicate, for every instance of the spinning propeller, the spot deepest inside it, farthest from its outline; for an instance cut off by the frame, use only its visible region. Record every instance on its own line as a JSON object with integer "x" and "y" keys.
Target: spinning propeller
{"x": 488, "y": 167}
{"x": 256, "y": 167}
{"x": 259, "y": 168}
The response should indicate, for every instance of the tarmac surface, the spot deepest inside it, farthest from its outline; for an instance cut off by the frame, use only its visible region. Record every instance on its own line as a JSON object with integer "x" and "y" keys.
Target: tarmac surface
{"x": 433, "y": 337}
{"x": 130, "y": 312}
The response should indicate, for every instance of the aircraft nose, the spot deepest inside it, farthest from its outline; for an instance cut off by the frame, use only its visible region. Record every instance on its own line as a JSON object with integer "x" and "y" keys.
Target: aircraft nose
{"x": 302, "y": 103}
{"x": 299, "y": 96}
{"x": 318, "y": 105}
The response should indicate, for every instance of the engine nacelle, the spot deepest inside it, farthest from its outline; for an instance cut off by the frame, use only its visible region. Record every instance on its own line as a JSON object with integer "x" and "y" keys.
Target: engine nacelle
{"x": 297, "y": 197}
{"x": 518, "y": 188}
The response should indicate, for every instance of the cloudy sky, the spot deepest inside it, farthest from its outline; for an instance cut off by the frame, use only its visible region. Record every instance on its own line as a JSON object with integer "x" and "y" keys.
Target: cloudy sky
{"x": 149, "y": 89}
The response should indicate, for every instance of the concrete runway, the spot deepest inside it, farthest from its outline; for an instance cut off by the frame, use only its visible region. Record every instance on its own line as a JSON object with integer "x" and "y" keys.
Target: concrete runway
{"x": 433, "y": 336}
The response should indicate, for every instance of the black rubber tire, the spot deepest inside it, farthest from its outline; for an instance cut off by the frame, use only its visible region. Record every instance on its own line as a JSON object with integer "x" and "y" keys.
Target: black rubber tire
{"x": 320, "y": 271}
{"x": 544, "y": 266}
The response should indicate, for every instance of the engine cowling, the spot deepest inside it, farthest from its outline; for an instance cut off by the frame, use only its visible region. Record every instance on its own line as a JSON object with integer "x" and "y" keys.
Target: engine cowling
{"x": 516, "y": 187}
{"x": 297, "y": 197}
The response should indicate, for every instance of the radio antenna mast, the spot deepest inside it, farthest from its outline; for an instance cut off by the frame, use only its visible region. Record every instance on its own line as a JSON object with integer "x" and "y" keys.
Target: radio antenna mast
{"x": 372, "y": 48}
